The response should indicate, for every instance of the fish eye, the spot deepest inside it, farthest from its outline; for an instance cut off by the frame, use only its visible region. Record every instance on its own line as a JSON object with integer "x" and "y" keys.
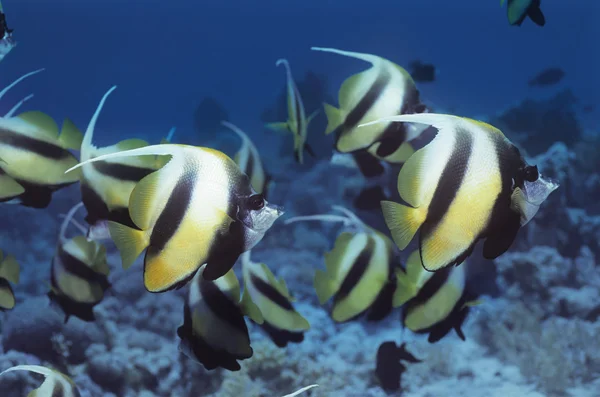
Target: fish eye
{"x": 531, "y": 173}
{"x": 256, "y": 202}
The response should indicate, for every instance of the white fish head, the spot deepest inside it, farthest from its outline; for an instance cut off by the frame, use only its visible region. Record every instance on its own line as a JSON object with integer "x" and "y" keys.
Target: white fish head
{"x": 257, "y": 216}
{"x": 526, "y": 200}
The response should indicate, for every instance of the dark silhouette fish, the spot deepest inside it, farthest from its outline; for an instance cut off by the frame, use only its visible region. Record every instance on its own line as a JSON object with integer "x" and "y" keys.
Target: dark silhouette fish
{"x": 422, "y": 72}
{"x": 547, "y": 77}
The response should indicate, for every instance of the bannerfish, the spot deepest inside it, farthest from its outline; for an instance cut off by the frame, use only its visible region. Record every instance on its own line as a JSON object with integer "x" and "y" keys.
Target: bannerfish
{"x": 214, "y": 332}
{"x": 422, "y": 72}
{"x": 297, "y": 122}
{"x": 9, "y": 273}
{"x": 389, "y": 367}
{"x": 79, "y": 273}
{"x": 248, "y": 159}
{"x": 197, "y": 209}
{"x": 107, "y": 185}
{"x": 56, "y": 384}
{"x": 547, "y": 77}
{"x": 518, "y": 10}
{"x": 359, "y": 269}
{"x": 271, "y": 297}
{"x": 383, "y": 89}
{"x": 35, "y": 156}
{"x": 459, "y": 189}
{"x": 32, "y": 155}
{"x": 435, "y": 302}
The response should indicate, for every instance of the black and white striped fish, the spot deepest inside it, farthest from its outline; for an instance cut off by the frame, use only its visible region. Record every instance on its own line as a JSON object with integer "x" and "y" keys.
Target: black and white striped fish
{"x": 435, "y": 303}
{"x": 197, "y": 209}
{"x": 282, "y": 322}
{"x": 107, "y": 185}
{"x": 469, "y": 183}
{"x": 56, "y": 384}
{"x": 297, "y": 122}
{"x": 78, "y": 274}
{"x": 9, "y": 273}
{"x": 33, "y": 157}
{"x": 248, "y": 159}
{"x": 359, "y": 270}
{"x": 214, "y": 330}
{"x": 383, "y": 89}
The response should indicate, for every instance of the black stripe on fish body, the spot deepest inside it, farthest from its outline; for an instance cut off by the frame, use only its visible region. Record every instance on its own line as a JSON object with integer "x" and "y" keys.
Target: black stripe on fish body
{"x": 267, "y": 183}
{"x": 122, "y": 172}
{"x": 368, "y": 165}
{"x": 448, "y": 186}
{"x": 383, "y": 304}
{"x": 4, "y": 284}
{"x": 271, "y": 293}
{"x": 504, "y": 222}
{"x": 38, "y": 196}
{"x": 226, "y": 248}
{"x": 281, "y": 337}
{"x": 357, "y": 270}
{"x": 84, "y": 311}
{"x": 222, "y": 307}
{"x": 433, "y": 285}
{"x": 454, "y": 321}
{"x": 76, "y": 267}
{"x": 209, "y": 357}
{"x": 175, "y": 210}
{"x": 41, "y": 148}
{"x": 367, "y": 101}
{"x": 97, "y": 210}
{"x": 58, "y": 390}
{"x": 393, "y": 137}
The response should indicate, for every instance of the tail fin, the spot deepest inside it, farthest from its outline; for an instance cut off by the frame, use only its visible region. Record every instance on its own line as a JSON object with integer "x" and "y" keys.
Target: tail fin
{"x": 335, "y": 118}
{"x": 130, "y": 242}
{"x": 9, "y": 269}
{"x": 402, "y": 221}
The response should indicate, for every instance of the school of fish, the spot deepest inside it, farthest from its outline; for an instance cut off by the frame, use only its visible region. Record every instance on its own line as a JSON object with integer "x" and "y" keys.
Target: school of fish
{"x": 194, "y": 213}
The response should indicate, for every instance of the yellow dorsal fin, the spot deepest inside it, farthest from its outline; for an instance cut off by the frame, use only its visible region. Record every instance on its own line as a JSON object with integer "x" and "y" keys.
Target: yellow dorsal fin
{"x": 44, "y": 124}
{"x": 70, "y": 136}
{"x": 279, "y": 285}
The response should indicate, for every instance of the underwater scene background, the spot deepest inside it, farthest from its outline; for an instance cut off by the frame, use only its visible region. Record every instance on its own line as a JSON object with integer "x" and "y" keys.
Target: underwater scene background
{"x": 526, "y": 323}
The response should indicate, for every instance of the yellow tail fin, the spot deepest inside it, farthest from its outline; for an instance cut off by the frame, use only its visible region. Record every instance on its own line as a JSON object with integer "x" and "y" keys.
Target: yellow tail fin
{"x": 130, "y": 242}
{"x": 324, "y": 286}
{"x": 334, "y": 118}
{"x": 402, "y": 221}
{"x": 9, "y": 269}
{"x": 405, "y": 291}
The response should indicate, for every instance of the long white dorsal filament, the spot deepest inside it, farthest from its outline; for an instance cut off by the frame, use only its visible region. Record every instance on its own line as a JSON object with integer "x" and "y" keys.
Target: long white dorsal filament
{"x": 14, "y": 109}
{"x": 67, "y": 221}
{"x": 348, "y": 219}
